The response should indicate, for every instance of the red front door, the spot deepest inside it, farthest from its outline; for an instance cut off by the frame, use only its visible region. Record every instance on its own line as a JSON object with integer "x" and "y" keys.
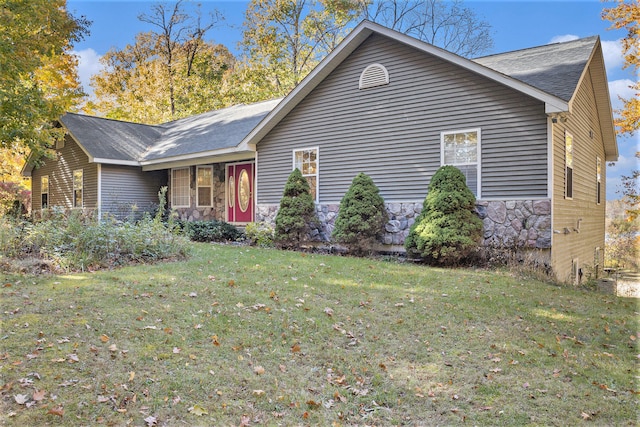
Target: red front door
{"x": 240, "y": 177}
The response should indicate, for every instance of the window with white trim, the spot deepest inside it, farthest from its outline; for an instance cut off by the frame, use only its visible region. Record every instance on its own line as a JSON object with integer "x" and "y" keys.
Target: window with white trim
{"x": 598, "y": 180}
{"x": 307, "y": 162}
{"x": 180, "y": 187}
{"x": 44, "y": 192}
{"x": 204, "y": 184}
{"x": 78, "y": 176}
{"x": 568, "y": 162}
{"x": 462, "y": 150}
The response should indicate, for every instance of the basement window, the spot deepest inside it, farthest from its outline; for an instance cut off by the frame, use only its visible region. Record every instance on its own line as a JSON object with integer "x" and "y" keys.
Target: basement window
{"x": 374, "y": 75}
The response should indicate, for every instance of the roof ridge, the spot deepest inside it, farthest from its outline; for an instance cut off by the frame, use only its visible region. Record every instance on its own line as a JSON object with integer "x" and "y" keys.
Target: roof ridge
{"x": 581, "y": 39}
{"x": 113, "y": 120}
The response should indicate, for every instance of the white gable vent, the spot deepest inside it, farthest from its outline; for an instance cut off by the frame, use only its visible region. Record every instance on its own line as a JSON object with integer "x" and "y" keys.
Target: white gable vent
{"x": 374, "y": 75}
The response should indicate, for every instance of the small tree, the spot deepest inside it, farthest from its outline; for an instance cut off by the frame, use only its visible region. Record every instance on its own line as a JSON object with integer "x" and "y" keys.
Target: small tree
{"x": 447, "y": 229}
{"x": 361, "y": 217}
{"x": 297, "y": 214}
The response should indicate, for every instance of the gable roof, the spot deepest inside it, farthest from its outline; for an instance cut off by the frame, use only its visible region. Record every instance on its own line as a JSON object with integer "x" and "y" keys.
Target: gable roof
{"x": 111, "y": 141}
{"x": 558, "y": 71}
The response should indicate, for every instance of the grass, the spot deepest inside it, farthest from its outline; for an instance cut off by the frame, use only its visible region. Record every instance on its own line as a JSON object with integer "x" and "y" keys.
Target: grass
{"x": 248, "y": 336}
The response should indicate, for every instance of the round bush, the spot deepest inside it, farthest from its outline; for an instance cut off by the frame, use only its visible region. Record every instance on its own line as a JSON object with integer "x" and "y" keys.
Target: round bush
{"x": 448, "y": 229}
{"x": 297, "y": 214}
{"x": 361, "y": 217}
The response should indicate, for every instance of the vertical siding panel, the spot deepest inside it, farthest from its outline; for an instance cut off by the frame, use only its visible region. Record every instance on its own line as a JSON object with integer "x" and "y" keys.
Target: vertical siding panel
{"x": 582, "y": 209}
{"x": 392, "y": 132}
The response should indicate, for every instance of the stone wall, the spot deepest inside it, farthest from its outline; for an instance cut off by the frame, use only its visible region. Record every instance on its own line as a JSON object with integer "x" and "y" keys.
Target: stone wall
{"x": 521, "y": 223}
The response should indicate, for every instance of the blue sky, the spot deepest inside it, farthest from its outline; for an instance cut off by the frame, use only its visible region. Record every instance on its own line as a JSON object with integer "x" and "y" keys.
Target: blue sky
{"x": 515, "y": 25}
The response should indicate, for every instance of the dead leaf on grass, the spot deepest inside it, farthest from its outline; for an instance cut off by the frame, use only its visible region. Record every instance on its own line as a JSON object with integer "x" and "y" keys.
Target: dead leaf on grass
{"x": 198, "y": 410}
{"x": 38, "y": 395}
{"x": 58, "y": 410}
{"x": 21, "y": 399}
{"x": 151, "y": 421}
{"x": 259, "y": 370}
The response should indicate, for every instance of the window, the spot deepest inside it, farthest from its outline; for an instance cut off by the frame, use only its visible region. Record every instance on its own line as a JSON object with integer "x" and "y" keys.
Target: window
{"x": 307, "y": 162}
{"x": 204, "y": 183}
{"x": 462, "y": 150}
{"x": 44, "y": 192}
{"x": 77, "y": 188}
{"x": 598, "y": 180}
{"x": 568, "y": 161}
{"x": 374, "y": 75}
{"x": 180, "y": 188}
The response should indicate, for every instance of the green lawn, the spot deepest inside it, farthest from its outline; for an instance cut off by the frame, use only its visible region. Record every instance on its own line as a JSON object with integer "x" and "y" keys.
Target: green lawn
{"x": 245, "y": 336}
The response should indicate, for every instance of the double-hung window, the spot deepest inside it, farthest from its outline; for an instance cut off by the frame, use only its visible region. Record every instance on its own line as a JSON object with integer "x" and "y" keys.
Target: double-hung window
{"x": 204, "y": 183}
{"x": 180, "y": 187}
{"x": 77, "y": 188}
{"x": 462, "y": 150}
{"x": 306, "y": 161}
{"x": 568, "y": 162}
{"x": 44, "y": 192}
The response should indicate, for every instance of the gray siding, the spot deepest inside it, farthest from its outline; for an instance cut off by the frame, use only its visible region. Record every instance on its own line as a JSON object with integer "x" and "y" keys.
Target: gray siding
{"x": 392, "y": 132}
{"x": 124, "y": 187}
{"x": 60, "y": 171}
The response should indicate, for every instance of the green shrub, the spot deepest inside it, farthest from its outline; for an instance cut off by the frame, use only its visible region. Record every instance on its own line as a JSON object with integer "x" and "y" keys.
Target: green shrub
{"x": 297, "y": 214}
{"x": 361, "y": 217}
{"x": 448, "y": 229}
{"x": 211, "y": 231}
{"x": 260, "y": 234}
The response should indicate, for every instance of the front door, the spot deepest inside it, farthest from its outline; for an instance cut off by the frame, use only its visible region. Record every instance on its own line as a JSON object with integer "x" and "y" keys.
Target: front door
{"x": 240, "y": 177}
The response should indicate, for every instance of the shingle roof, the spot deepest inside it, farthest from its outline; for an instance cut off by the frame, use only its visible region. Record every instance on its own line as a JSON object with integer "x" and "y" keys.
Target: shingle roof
{"x": 554, "y": 68}
{"x": 209, "y": 131}
{"x": 111, "y": 139}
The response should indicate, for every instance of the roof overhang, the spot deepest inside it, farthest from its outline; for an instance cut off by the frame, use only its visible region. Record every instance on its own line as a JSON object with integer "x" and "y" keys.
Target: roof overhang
{"x": 596, "y": 70}
{"x": 206, "y": 157}
{"x": 365, "y": 29}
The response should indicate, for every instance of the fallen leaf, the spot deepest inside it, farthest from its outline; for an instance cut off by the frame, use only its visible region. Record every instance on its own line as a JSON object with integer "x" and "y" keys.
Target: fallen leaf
{"x": 104, "y": 338}
{"x": 113, "y": 348}
{"x": 328, "y": 311}
{"x": 38, "y": 395}
{"x": 585, "y": 416}
{"x": 176, "y": 350}
{"x": 132, "y": 375}
{"x": 73, "y": 358}
{"x": 198, "y": 410}
{"x": 258, "y": 370}
{"x": 58, "y": 410}
{"x": 257, "y": 392}
{"x": 151, "y": 421}
{"x": 21, "y": 399}
{"x": 245, "y": 421}
{"x": 295, "y": 348}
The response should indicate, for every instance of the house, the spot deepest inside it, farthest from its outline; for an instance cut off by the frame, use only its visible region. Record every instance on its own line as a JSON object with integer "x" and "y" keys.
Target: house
{"x": 531, "y": 130}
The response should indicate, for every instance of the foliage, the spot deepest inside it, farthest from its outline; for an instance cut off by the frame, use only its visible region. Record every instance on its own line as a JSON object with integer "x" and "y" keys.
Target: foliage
{"x": 259, "y": 233}
{"x": 361, "y": 217}
{"x": 622, "y": 243}
{"x": 311, "y": 339}
{"x": 297, "y": 214}
{"x": 38, "y": 82}
{"x": 285, "y": 39}
{"x": 14, "y": 199}
{"x": 448, "y": 229}
{"x": 210, "y": 231}
{"x": 71, "y": 240}
{"x": 448, "y": 25}
{"x": 627, "y": 15}
{"x": 164, "y": 75}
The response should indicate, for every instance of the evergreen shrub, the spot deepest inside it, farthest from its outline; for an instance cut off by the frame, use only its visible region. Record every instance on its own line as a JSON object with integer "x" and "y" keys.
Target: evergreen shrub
{"x": 361, "y": 217}
{"x": 297, "y": 214}
{"x": 447, "y": 230}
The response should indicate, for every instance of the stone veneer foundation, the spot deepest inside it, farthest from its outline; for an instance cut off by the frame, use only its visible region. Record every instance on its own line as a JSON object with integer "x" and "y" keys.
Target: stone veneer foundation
{"x": 512, "y": 223}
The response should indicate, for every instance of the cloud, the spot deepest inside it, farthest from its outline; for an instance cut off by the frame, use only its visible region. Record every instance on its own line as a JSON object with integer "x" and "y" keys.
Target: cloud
{"x": 612, "y": 52}
{"x": 88, "y": 65}
{"x": 620, "y": 88}
{"x": 563, "y": 38}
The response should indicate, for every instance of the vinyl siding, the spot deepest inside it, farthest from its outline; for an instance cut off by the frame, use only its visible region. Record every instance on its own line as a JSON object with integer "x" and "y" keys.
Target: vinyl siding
{"x": 60, "y": 170}
{"x": 392, "y": 132}
{"x": 566, "y": 213}
{"x": 124, "y": 187}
